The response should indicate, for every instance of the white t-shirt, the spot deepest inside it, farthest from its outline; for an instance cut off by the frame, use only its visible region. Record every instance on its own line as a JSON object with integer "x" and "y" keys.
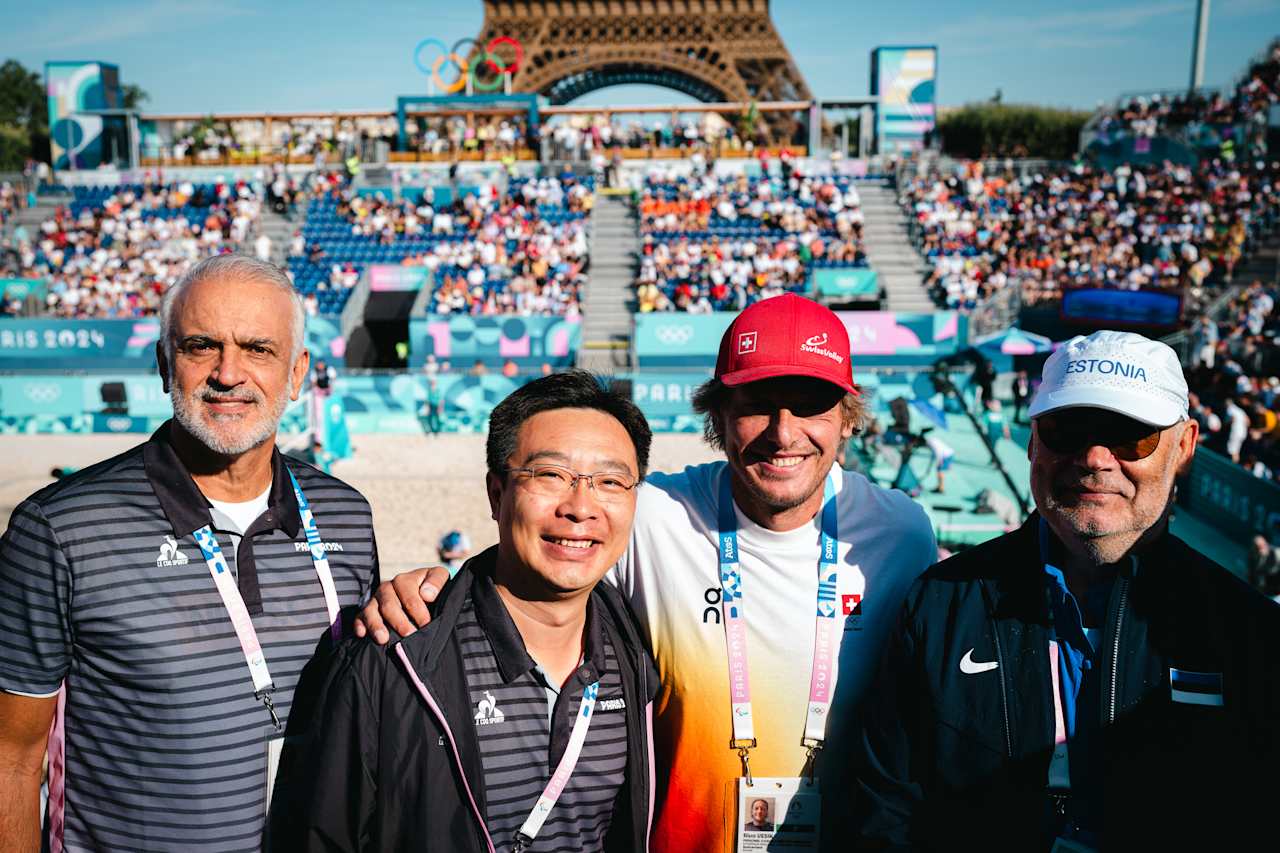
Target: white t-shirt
{"x": 670, "y": 574}
{"x": 235, "y": 518}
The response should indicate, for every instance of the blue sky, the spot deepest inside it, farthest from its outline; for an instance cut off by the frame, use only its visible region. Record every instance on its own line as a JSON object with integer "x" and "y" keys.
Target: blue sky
{"x": 236, "y": 55}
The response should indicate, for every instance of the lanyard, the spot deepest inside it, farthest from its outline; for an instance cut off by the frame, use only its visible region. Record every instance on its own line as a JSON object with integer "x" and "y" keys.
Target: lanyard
{"x": 234, "y": 603}
{"x": 555, "y": 786}
{"x": 822, "y": 675}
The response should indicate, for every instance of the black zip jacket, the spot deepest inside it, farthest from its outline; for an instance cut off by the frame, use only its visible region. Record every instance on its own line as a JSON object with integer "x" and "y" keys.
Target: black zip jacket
{"x": 396, "y": 765}
{"x": 952, "y": 759}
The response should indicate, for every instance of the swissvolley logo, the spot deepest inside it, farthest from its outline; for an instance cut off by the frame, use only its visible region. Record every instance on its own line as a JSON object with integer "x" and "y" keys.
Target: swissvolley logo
{"x": 817, "y": 345}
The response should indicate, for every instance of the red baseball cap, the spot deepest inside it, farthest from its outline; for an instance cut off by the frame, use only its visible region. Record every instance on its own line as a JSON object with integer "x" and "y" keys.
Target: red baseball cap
{"x": 786, "y": 335}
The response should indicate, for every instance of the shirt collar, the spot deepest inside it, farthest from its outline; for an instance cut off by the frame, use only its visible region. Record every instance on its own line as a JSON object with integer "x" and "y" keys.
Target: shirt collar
{"x": 186, "y": 507}
{"x": 504, "y": 638}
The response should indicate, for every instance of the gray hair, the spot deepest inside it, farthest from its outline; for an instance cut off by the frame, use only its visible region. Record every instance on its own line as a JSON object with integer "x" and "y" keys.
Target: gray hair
{"x": 236, "y": 268}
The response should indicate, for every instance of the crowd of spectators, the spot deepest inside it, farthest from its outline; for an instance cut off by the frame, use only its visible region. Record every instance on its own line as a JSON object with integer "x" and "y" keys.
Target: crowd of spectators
{"x": 454, "y": 135}
{"x": 1234, "y": 378}
{"x": 795, "y": 204}
{"x": 519, "y": 251}
{"x": 581, "y": 139}
{"x": 720, "y": 243}
{"x": 112, "y": 252}
{"x": 11, "y": 200}
{"x": 1167, "y": 226}
{"x": 1246, "y": 106}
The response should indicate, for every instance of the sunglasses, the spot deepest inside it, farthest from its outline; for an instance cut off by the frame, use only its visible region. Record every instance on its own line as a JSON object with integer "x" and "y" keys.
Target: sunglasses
{"x": 1071, "y": 432}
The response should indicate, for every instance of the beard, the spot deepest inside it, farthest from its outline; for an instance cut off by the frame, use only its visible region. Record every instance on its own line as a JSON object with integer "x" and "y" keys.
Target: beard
{"x": 228, "y": 434}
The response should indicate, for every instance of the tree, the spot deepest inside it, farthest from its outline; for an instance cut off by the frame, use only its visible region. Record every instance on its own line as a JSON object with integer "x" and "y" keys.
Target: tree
{"x": 133, "y": 96}
{"x": 1012, "y": 130}
{"x": 24, "y": 116}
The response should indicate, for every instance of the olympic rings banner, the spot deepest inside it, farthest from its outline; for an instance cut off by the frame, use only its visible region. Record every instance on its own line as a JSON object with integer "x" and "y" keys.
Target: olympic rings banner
{"x": 472, "y": 67}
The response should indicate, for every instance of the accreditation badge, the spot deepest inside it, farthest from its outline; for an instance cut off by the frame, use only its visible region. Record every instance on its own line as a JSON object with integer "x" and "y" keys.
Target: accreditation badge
{"x": 275, "y": 745}
{"x": 778, "y": 813}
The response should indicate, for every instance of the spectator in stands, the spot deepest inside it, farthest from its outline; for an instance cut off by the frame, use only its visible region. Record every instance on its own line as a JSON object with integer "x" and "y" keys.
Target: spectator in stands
{"x": 1264, "y": 567}
{"x": 724, "y": 243}
{"x": 114, "y": 254}
{"x": 1137, "y": 227}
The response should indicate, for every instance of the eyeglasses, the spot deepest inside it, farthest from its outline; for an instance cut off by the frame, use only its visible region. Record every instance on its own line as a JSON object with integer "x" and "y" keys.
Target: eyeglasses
{"x": 556, "y": 481}
{"x": 1069, "y": 433}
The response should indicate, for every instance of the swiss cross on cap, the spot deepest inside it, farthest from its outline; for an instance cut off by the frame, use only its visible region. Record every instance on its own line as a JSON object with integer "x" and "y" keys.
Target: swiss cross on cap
{"x": 786, "y": 335}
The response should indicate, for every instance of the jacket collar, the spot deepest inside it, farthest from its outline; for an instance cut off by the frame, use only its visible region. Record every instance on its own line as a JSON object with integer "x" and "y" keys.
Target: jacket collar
{"x": 186, "y": 507}
{"x": 1017, "y": 582}
{"x": 508, "y": 646}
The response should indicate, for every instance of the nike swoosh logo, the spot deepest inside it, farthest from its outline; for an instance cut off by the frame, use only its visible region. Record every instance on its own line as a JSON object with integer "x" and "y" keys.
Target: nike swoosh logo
{"x": 969, "y": 667}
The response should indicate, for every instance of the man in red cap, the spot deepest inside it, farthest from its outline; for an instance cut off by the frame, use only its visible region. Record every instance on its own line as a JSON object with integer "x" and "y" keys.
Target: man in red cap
{"x": 759, "y": 579}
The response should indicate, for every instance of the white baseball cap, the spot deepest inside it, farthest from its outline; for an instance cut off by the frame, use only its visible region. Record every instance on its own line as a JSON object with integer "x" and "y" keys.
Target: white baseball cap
{"x": 1122, "y": 372}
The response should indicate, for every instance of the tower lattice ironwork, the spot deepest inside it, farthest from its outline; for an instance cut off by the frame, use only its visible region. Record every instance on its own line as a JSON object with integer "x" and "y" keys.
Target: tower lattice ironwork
{"x": 712, "y": 50}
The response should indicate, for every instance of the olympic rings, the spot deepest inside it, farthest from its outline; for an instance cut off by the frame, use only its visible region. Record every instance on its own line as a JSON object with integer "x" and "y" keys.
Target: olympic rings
{"x": 519, "y": 49}
{"x": 417, "y": 51}
{"x": 457, "y": 56}
{"x": 471, "y": 44}
{"x": 486, "y": 58}
{"x": 456, "y": 85}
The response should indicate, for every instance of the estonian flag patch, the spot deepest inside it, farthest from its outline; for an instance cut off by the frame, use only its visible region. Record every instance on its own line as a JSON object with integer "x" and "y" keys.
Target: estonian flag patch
{"x": 1195, "y": 688}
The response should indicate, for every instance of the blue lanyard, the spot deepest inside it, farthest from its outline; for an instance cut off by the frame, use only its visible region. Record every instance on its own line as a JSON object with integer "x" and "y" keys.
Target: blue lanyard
{"x": 822, "y": 678}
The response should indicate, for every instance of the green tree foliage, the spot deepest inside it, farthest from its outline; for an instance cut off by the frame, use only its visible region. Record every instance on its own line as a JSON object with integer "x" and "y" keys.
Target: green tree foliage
{"x": 133, "y": 96}
{"x": 1012, "y": 130}
{"x": 24, "y": 116}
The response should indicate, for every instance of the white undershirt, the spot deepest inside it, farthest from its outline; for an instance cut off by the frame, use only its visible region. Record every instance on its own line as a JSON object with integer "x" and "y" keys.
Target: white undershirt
{"x": 236, "y": 518}
{"x": 243, "y": 513}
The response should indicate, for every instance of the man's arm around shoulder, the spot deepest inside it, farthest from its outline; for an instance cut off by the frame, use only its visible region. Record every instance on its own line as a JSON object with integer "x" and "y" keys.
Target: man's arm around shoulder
{"x": 24, "y": 732}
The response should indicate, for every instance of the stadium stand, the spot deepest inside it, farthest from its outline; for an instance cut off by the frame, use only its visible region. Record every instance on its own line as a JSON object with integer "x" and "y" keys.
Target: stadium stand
{"x": 1166, "y": 226}
{"x": 523, "y": 250}
{"x": 1246, "y": 106}
{"x": 1234, "y": 377}
{"x": 721, "y": 243}
{"x": 112, "y": 250}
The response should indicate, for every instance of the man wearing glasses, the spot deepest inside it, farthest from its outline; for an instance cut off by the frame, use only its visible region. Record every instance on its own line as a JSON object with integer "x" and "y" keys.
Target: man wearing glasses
{"x": 521, "y": 712}
{"x": 1088, "y": 680}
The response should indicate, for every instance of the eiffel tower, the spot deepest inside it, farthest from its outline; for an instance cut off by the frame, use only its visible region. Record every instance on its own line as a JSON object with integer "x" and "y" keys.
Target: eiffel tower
{"x": 712, "y": 50}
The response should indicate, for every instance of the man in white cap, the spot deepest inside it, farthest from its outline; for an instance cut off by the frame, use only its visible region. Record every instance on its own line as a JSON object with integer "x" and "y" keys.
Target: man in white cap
{"x": 1088, "y": 680}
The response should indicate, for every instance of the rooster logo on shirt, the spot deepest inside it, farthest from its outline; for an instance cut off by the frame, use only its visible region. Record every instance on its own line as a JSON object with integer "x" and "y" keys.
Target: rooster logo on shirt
{"x": 169, "y": 554}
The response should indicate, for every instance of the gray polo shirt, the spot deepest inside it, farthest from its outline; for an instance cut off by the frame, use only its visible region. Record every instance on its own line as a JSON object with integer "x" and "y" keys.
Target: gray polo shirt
{"x": 103, "y": 589}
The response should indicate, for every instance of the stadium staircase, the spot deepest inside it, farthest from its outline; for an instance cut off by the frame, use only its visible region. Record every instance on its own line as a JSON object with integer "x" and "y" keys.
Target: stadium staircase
{"x": 280, "y": 230}
{"x": 608, "y": 308}
{"x": 33, "y": 217}
{"x": 889, "y": 251}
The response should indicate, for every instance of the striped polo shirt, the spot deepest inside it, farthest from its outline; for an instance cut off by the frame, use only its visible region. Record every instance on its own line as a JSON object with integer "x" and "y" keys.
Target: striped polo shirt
{"x": 103, "y": 590}
{"x": 521, "y": 744}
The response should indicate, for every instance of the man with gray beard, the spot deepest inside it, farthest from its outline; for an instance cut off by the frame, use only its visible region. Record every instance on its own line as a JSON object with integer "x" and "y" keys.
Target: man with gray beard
{"x": 167, "y": 613}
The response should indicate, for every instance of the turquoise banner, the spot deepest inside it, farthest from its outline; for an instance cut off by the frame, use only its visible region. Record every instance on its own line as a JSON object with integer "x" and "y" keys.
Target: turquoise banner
{"x": 381, "y": 403}
{"x": 854, "y": 283}
{"x": 464, "y": 340}
{"x": 119, "y": 344}
{"x": 395, "y": 278}
{"x": 77, "y": 344}
{"x": 667, "y": 399}
{"x": 21, "y": 288}
{"x": 1231, "y": 499}
{"x": 876, "y": 338}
